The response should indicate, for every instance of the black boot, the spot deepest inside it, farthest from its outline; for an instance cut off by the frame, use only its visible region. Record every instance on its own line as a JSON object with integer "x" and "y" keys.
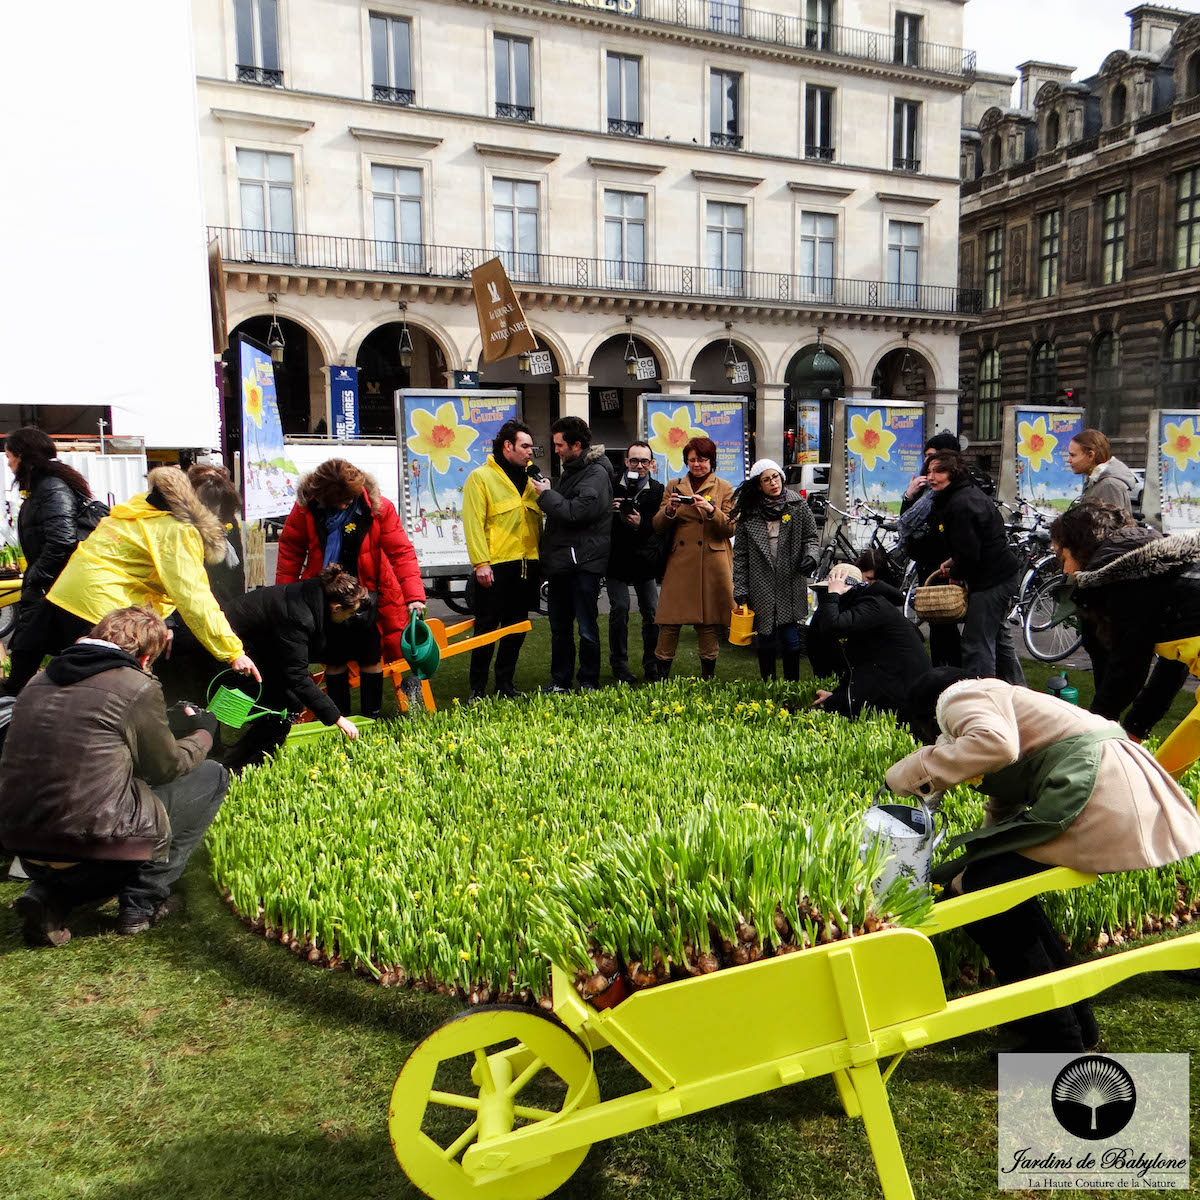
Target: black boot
{"x": 766, "y": 664}
{"x": 662, "y": 668}
{"x": 708, "y": 668}
{"x": 370, "y": 694}
{"x": 791, "y": 665}
{"x": 337, "y": 688}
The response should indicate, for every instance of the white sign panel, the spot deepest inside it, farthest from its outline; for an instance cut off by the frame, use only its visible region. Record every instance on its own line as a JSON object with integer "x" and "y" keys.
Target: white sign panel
{"x": 647, "y": 368}
{"x": 540, "y": 362}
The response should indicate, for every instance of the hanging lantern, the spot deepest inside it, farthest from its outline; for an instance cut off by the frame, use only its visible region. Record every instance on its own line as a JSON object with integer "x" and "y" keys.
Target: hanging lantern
{"x": 275, "y": 341}
{"x": 631, "y": 354}
{"x": 406, "y": 344}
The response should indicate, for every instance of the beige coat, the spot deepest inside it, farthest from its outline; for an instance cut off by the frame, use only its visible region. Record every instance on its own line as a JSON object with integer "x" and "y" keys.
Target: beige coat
{"x": 698, "y": 586}
{"x": 1136, "y": 817}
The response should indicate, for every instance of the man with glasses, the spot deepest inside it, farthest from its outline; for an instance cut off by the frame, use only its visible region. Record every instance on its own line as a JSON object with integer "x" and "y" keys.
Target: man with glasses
{"x": 636, "y": 558}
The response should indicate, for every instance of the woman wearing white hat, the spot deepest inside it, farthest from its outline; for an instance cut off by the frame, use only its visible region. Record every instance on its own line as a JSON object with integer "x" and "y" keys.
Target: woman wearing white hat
{"x": 775, "y": 549}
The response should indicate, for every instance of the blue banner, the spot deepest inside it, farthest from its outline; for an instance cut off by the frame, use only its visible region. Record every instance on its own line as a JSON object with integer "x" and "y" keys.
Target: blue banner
{"x": 269, "y": 476}
{"x": 1043, "y": 476}
{"x": 670, "y": 422}
{"x": 343, "y": 402}
{"x": 884, "y": 450}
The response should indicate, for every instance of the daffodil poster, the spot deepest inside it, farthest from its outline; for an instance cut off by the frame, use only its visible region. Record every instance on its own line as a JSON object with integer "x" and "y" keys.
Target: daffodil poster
{"x": 670, "y": 422}
{"x": 1043, "y": 476}
{"x": 269, "y": 476}
{"x": 445, "y": 435}
{"x": 1179, "y": 466}
{"x": 884, "y": 450}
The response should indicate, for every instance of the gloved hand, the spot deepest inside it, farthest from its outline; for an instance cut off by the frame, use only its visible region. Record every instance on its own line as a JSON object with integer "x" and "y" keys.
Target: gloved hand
{"x": 185, "y": 717}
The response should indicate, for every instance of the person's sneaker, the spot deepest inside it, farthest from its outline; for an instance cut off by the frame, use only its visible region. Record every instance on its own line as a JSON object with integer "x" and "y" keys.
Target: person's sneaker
{"x": 475, "y": 697}
{"x": 132, "y": 921}
{"x": 41, "y": 923}
{"x": 552, "y": 689}
{"x": 589, "y": 687}
{"x": 508, "y": 693}
{"x": 624, "y": 675}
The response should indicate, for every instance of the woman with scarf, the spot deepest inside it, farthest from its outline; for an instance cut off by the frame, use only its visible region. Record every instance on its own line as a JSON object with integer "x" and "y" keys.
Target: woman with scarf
{"x": 341, "y": 517}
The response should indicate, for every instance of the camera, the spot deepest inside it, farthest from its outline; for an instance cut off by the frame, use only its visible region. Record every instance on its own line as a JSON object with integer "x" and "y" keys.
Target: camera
{"x": 534, "y": 473}
{"x": 684, "y": 499}
{"x": 626, "y": 489}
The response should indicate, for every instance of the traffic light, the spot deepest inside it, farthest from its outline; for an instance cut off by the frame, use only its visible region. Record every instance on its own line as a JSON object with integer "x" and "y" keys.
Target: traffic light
{"x": 1066, "y": 395}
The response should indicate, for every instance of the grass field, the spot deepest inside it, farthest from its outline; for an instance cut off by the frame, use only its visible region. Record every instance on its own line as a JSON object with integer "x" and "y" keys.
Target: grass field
{"x": 198, "y": 1061}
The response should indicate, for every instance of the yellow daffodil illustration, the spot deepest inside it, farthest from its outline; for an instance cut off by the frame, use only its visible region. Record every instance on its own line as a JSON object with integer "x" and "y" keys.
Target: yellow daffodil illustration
{"x": 871, "y": 442}
{"x": 440, "y": 437}
{"x": 253, "y": 393}
{"x": 672, "y": 433}
{"x": 1036, "y": 444}
{"x": 1181, "y": 443}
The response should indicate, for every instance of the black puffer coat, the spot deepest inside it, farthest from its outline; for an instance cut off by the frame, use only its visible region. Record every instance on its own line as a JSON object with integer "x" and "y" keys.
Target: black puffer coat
{"x": 578, "y": 510}
{"x": 880, "y": 651}
{"x": 972, "y": 533}
{"x": 47, "y": 530}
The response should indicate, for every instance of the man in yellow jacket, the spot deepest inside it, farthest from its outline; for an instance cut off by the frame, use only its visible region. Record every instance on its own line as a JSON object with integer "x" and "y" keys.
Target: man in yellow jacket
{"x": 150, "y": 551}
{"x": 503, "y": 525}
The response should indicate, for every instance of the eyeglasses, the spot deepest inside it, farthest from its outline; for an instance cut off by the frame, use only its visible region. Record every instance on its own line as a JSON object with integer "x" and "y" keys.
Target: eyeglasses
{"x": 639, "y": 462}
{"x": 771, "y": 477}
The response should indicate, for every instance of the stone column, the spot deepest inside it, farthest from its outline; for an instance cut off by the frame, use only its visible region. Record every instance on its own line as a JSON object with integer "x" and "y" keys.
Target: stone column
{"x": 675, "y": 387}
{"x": 573, "y": 396}
{"x": 768, "y": 442}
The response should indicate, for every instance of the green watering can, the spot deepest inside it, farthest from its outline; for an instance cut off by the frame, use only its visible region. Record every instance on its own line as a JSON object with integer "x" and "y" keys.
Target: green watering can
{"x": 420, "y": 648}
{"x": 235, "y": 708}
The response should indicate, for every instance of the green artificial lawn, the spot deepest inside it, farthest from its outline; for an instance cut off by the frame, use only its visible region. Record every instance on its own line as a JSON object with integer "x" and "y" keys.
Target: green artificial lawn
{"x": 199, "y": 1061}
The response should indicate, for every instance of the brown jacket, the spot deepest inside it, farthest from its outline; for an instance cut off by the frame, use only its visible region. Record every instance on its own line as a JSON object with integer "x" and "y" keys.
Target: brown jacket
{"x": 698, "y": 586}
{"x": 1135, "y": 817}
{"x": 82, "y": 756}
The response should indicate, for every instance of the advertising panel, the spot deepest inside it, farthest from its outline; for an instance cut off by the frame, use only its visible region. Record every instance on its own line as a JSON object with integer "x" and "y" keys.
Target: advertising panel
{"x": 1043, "y": 476}
{"x": 884, "y": 450}
{"x": 343, "y": 402}
{"x": 808, "y": 432}
{"x": 668, "y": 423}
{"x": 1178, "y": 461}
{"x": 269, "y": 476}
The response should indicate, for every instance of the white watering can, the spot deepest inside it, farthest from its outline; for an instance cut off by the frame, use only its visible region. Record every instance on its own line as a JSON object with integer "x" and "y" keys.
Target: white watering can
{"x": 911, "y": 836}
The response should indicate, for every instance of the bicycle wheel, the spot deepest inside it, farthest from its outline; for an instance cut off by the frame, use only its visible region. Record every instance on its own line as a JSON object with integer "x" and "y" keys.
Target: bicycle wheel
{"x": 1046, "y": 639}
{"x": 911, "y": 582}
{"x": 8, "y": 620}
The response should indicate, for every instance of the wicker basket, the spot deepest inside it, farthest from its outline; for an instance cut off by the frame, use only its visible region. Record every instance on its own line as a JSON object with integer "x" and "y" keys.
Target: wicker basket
{"x": 940, "y": 603}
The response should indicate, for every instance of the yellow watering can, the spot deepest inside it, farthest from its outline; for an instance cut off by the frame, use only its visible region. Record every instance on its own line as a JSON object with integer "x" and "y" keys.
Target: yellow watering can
{"x": 741, "y": 625}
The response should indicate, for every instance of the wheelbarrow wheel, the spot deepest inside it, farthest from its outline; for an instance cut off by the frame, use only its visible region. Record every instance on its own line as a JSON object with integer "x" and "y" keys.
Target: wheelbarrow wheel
{"x": 477, "y": 1078}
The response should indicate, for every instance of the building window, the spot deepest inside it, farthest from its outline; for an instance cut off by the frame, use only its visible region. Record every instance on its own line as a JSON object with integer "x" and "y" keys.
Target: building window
{"x": 1043, "y": 374}
{"x": 988, "y": 409}
{"x": 904, "y": 262}
{"x": 257, "y": 26}
{"x": 396, "y": 204}
{"x": 514, "y": 81}
{"x": 1193, "y": 75}
{"x": 818, "y": 247}
{"x": 1052, "y": 132}
{"x": 725, "y": 16}
{"x": 818, "y": 24}
{"x": 391, "y": 60}
{"x": 1049, "y": 239}
{"x": 1104, "y": 407}
{"x": 1116, "y": 110}
{"x": 1187, "y": 219}
{"x": 624, "y": 94}
{"x": 725, "y": 109}
{"x": 818, "y": 123}
{"x": 625, "y": 237}
{"x": 265, "y": 190}
{"x": 995, "y": 152}
{"x": 1182, "y": 368}
{"x": 906, "y": 152}
{"x": 993, "y": 268}
{"x": 724, "y": 246}
{"x": 908, "y": 39}
{"x": 515, "y": 214}
{"x": 1112, "y": 238}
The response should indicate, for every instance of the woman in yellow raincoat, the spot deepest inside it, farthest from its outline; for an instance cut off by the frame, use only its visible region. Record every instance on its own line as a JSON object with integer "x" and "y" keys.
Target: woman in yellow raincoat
{"x": 150, "y": 551}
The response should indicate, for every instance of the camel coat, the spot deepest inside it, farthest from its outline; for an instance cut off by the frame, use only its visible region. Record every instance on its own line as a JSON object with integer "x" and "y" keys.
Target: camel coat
{"x": 1136, "y": 815}
{"x": 697, "y": 588}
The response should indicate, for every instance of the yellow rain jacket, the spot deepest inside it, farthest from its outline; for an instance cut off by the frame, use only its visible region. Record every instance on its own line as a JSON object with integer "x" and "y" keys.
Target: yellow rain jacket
{"x": 140, "y": 554}
{"x": 500, "y": 525}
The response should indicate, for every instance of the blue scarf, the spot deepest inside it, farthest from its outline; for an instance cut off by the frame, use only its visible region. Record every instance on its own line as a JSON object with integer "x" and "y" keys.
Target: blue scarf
{"x": 335, "y": 526}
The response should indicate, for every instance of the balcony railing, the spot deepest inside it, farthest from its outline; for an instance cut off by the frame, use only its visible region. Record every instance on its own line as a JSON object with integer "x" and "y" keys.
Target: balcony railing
{"x": 404, "y": 97}
{"x": 1187, "y": 108}
{"x": 725, "y": 141}
{"x": 1154, "y": 121}
{"x": 777, "y": 29}
{"x": 513, "y": 112}
{"x": 624, "y": 128}
{"x": 825, "y": 153}
{"x": 912, "y": 165}
{"x": 263, "y": 76}
{"x": 424, "y": 262}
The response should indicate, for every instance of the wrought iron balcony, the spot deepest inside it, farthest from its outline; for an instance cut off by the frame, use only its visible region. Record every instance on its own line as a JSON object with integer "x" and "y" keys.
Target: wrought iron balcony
{"x": 912, "y": 165}
{"x": 777, "y": 29}
{"x": 624, "y": 128}
{"x": 536, "y": 272}
{"x": 514, "y": 112}
{"x": 404, "y": 97}
{"x": 263, "y": 76}
{"x": 725, "y": 141}
{"x": 825, "y": 153}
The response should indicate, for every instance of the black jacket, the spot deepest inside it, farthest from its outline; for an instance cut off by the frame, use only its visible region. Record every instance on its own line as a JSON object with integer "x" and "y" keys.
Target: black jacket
{"x": 283, "y": 630}
{"x": 972, "y": 533}
{"x": 881, "y": 653}
{"x": 637, "y": 554}
{"x": 47, "y": 531}
{"x": 578, "y": 516}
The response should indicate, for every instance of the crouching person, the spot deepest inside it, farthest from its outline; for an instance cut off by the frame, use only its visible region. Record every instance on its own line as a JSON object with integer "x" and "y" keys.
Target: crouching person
{"x": 97, "y": 795}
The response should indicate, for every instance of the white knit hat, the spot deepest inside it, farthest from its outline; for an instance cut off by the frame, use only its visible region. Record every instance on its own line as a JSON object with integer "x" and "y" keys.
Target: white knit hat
{"x": 763, "y": 465}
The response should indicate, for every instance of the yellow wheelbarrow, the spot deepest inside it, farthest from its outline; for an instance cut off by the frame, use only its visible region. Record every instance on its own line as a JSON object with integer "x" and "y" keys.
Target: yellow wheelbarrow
{"x": 471, "y": 1115}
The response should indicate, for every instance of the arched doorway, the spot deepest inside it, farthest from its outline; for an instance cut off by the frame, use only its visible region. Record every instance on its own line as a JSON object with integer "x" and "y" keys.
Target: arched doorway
{"x": 539, "y": 396}
{"x": 613, "y": 393}
{"x": 903, "y": 374}
{"x": 299, "y": 382}
{"x": 381, "y": 373}
{"x": 815, "y": 379}
{"x": 710, "y": 377}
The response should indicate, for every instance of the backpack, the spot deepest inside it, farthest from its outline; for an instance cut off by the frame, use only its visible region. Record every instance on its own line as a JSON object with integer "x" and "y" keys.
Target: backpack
{"x": 89, "y": 514}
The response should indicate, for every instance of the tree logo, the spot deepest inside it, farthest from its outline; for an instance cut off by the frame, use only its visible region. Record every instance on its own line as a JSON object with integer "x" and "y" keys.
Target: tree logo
{"x": 1093, "y": 1098}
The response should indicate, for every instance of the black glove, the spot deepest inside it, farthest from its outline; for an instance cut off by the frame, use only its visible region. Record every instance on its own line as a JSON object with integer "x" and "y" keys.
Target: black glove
{"x": 185, "y": 718}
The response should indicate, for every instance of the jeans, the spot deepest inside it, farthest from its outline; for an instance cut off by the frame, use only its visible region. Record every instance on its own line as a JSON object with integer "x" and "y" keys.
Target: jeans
{"x": 507, "y": 602}
{"x": 618, "y": 621}
{"x": 191, "y": 802}
{"x": 987, "y": 644}
{"x": 574, "y": 600}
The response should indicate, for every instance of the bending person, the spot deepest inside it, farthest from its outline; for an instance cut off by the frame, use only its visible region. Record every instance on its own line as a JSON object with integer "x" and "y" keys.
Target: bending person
{"x": 1064, "y": 788}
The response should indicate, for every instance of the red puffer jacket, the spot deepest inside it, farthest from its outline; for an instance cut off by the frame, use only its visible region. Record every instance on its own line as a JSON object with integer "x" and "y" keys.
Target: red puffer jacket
{"x": 387, "y": 563}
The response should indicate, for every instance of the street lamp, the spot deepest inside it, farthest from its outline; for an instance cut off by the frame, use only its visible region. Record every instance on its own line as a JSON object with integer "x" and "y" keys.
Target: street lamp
{"x": 732, "y": 362}
{"x": 406, "y": 344}
{"x": 523, "y": 362}
{"x": 631, "y": 354}
{"x": 275, "y": 335}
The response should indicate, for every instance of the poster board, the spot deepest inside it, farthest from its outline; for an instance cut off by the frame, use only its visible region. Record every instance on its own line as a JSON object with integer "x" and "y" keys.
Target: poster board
{"x": 878, "y": 446}
{"x": 269, "y": 476}
{"x": 1172, "y": 497}
{"x": 808, "y": 432}
{"x": 669, "y": 422}
{"x": 1033, "y": 465}
{"x": 443, "y": 436}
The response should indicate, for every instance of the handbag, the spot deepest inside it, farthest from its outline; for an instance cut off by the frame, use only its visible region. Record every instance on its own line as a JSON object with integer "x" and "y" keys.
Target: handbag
{"x": 940, "y": 603}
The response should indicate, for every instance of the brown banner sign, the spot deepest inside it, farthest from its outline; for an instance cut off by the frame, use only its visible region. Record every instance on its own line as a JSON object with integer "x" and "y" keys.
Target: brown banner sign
{"x": 502, "y": 324}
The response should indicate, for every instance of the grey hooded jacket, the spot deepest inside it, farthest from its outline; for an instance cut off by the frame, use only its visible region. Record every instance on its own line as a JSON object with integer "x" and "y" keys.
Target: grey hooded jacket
{"x": 1113, "y": 482}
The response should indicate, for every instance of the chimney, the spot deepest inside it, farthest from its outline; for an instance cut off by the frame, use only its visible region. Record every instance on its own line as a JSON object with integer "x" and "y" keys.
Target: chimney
{"x": 1034, "y": 74}
{"x": 1151, "y": 28}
